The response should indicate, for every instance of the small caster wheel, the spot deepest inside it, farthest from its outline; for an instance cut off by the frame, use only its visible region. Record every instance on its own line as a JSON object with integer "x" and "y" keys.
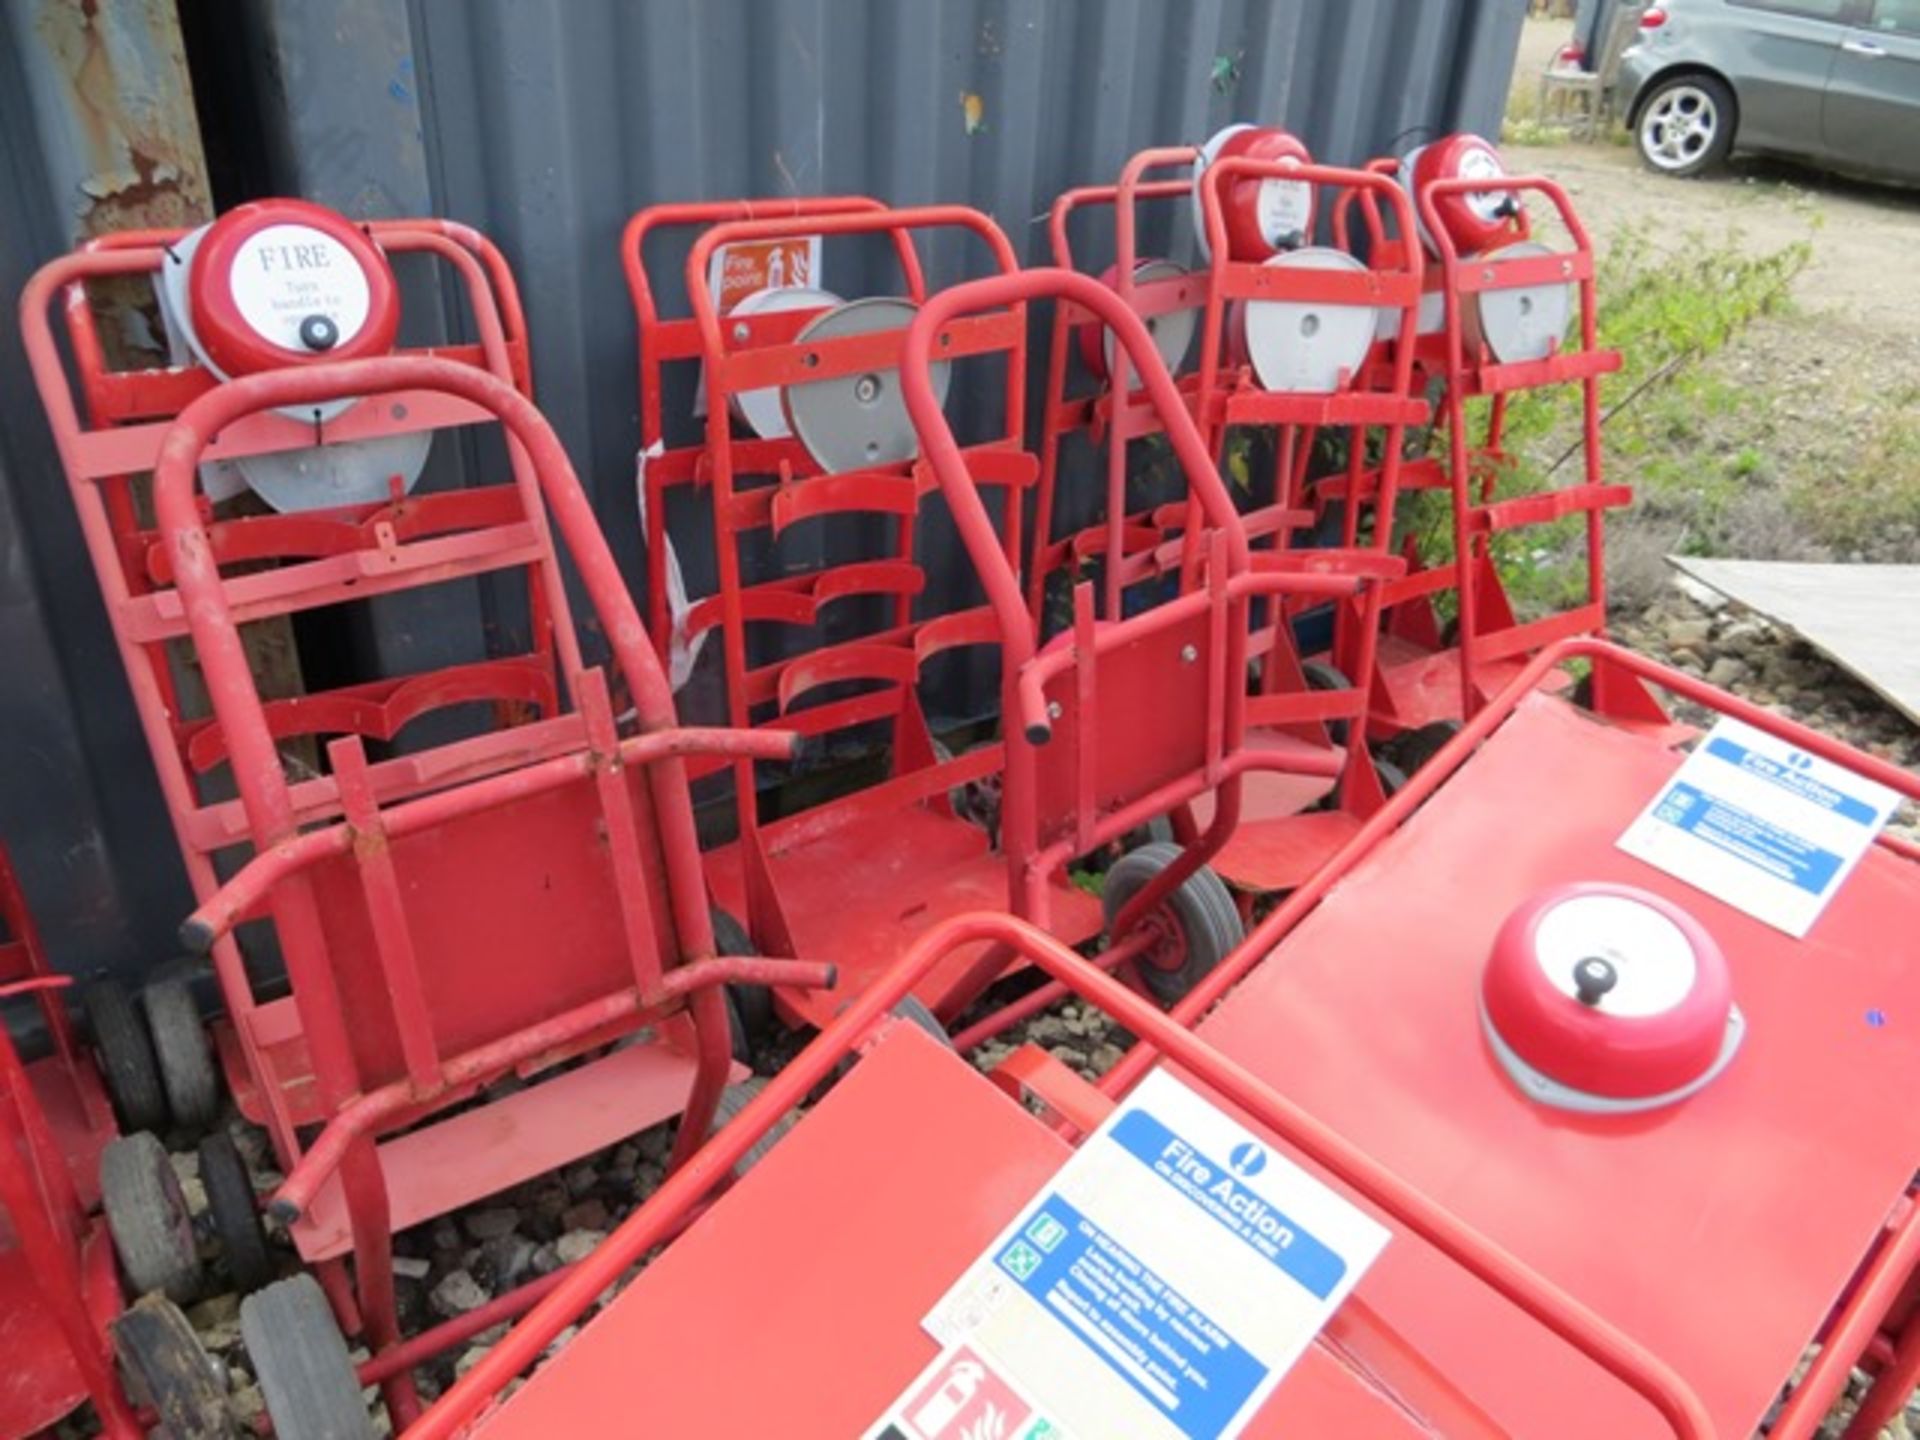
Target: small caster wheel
{"x": 733, "y": 1100}
{"x": 301, "y": 1361}
{"x": 126, "y": 1058}
{"x": 1198, "y": 924}
{"x": 168, "y": 1371}
{"x": 187, "y": 1070}
{"x": 148, "y": 1217}
{"x": 236, "y": 1214}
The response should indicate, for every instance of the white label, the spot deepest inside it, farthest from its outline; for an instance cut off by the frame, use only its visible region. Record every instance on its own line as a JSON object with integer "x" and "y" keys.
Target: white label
{"x": 285, "y": 273}
{"x": 1166, "y": 1279}
{"x": 1284, "y": 210}
{"x": 1769, "y": 829}
{"x": 1488, "y": 205}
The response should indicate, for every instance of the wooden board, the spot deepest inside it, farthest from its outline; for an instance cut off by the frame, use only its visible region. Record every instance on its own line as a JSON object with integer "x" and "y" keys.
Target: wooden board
{"x": 1859, "y": 616}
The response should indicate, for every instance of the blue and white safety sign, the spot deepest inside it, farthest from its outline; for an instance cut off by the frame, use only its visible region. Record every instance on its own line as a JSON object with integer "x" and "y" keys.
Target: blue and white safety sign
{"x": 1769, "y": 829}
{"x": 1167, "y": 1278}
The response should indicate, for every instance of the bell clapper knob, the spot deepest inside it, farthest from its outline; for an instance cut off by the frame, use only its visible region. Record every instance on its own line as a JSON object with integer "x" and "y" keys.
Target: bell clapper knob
{"x": 1593, "y": 977}
{"x": 318, "y": 332}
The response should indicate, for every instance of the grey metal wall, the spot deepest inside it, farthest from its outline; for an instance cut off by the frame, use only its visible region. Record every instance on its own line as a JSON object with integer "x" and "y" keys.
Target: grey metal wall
{"x": 96, "y": 132}
{"x": 547, "y": 122}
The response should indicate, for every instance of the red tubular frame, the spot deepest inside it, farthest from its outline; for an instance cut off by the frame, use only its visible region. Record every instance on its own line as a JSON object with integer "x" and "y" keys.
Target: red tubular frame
{"x": 1469, "y": 376}
{"x": 121, "y": 439}
{"x": 784, "y": 364}
{"x": 664, "y": 341}
{"x": 1403, "y": 1205}
{"x": 1229, "y": 585}
{"x": 547, "y": 484}
{"x": 37, "y": 1194}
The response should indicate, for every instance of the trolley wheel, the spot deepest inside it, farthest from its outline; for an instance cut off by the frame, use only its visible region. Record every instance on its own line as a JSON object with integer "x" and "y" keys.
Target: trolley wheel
{"x": 1322, "y": 676}
{"x": 126, "y": 1057}
{"x": 169, "y": 1371}
{"x": 302, "y": 1364}
{"x": 978, "y": 801}
{"x": 1199, "y": 921}
{"x": 914, "y": 1010}
{"x": 148, "y": 1217}
{"x": 750, "y": 1013}
{"x": 1392, "y": 778}
{"x": 1415, "y": 748}
{"x": 187, "y": 1071}
{"x": 733, "y": 1100}
{"x": 236, "y": 1214}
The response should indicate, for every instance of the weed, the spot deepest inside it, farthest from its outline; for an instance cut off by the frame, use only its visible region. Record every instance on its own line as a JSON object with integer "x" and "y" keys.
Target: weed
{"x": 1664, "y": 312}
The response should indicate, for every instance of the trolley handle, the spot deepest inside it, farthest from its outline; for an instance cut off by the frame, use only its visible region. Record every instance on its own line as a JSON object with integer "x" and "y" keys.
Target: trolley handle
{"x": 243, "y": 894}
{"x": 1085, "y": 196}
{"x": 1369, "y": 207}
{"x": 550, "y": 487}
{"x": 899, "y": 223}
{"x": 1552, "y": 190}
{"x": 1409, "y": 1207}
{"x": 1370, "y": 183}
{"x": 941, "y": 450}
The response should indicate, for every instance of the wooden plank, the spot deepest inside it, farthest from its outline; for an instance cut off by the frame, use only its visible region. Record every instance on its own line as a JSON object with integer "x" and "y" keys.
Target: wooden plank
{"x": 1859, "y": 616}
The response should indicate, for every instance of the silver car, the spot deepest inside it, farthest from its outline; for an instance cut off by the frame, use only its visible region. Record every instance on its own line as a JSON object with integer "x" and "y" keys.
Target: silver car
{"x": 1834, "y": 82}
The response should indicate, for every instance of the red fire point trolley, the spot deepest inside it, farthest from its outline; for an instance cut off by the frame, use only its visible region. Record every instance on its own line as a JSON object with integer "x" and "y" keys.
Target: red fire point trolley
{"x": 450, "y": 914}
{"x": 1504, "y": 313}
{"x": 71, "y": 1192}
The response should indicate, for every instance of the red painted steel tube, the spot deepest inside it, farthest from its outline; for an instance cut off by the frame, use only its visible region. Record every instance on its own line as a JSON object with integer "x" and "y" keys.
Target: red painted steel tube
{"x": 1847, "y": 1336}
{"x": 1021, "y": 699}
{"x": 251, "y": 884}
{"x": 1049, "y": 993}
{"x": 418, "y": 1349}
{"x": 1893, "y": 1385}
{"x": 37, "y": 1201}
{"x": 365, "y": 1113}
{"x": 1407, "y": 1207}
{"x": 1471, "y": 548}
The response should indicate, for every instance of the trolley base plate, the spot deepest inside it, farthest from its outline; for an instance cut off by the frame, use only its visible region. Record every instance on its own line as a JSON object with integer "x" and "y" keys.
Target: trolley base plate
{"x": 480, "y": 1151}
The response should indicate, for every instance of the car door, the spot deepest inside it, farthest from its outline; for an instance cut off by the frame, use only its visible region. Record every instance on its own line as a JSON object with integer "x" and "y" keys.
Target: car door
{"x": 1784, "y": 56}
{"x": 1871, "y": 117}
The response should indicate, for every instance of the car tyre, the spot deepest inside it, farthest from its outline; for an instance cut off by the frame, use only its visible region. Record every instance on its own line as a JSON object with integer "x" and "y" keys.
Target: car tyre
{"x": 1685, "y": 125}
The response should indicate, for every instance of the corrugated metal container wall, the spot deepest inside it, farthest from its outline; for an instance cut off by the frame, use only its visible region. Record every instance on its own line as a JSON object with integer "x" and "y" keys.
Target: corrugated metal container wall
{"x": 546, "y": 123}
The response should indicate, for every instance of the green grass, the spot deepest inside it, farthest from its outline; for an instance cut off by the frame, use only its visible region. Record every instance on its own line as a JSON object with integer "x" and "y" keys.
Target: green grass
{"x": 1665, "y": 311}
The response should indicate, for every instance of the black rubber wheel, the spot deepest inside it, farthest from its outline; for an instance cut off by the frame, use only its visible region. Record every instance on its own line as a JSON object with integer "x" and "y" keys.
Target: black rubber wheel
{"x": 1685, "y": 125}
{"x": 733, "y": 1100}
{"x": 750, "y": 1012}
{"x": 914, "y": 1011}
{"x": 978, "y": 801}
{"x": 301, "y": 1361}
{"x": 235, "y": 1212}
{"x": 1416, "y": 747}
{"x": 148, "y": 1217}
{"x": 1322, "y": 676}
{"x": 187, "y": 1069}
{"x": 1392, "y": 778}
{"x": 126, "y": 1057}
{"x": 168, "y": 1370}
{"x": 1202, "y": 909}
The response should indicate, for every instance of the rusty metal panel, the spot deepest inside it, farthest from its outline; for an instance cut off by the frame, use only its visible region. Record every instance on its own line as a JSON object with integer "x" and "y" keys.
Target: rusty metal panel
{"x": 97, "y": 132}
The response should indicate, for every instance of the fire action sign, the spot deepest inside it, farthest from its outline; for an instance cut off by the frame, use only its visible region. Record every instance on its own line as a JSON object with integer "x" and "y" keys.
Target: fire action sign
{"x": 1162, "y": 1284}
